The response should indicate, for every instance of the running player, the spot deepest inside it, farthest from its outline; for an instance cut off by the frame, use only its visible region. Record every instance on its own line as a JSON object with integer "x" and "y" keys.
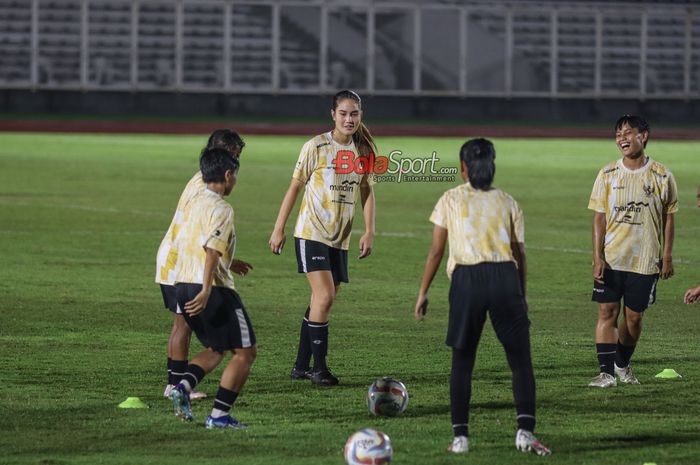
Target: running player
{"x": 324, "y": 224}
{"x": 634, "y": 200}
{"x": 487, "y": 269}
{"x": 180, "y": 334}
{"x": 205, "y": 292}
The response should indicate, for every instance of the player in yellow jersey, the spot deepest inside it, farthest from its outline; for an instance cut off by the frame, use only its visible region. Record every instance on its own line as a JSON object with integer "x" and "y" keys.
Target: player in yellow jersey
{"x": 692, "y": 295}
{"x": 206, "y": 294}
{"x": 634, "y": 200}
{"x": 487, "y": 269}
{"x": 166, "y": 259}
{"x": 322, "y": 232}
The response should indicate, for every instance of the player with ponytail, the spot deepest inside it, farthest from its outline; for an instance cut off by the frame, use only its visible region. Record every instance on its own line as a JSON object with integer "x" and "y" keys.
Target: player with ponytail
{"x": 324, "y": 224}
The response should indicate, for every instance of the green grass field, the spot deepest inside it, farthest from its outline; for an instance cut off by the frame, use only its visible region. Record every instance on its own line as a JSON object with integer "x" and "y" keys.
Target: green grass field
{"x": 82, "y": 325}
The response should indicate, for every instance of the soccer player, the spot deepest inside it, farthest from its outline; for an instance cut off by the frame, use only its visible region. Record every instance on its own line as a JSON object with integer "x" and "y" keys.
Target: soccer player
{"x": 322, "y": 232}
{"x": 205, "y": 291}
{"x": 634, "y": 200}
{"x": 487, "y": 269}
{"x": 693, "y": 295}
{"x": 180, "y": 334}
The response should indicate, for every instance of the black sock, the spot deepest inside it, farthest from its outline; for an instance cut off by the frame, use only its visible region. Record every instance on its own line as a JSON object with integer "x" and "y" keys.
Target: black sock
{"x": 170, "y": 371}
{"x": 606, "y": 357}
{"x": 318, "y": 338}
{"x": 178, "y": 369}
{"x": 523, "y": 381}
{"x": 304, "y": 351}
{"x": 193, "y": 375}
{"x": 461, "y": 389}
{"x": 623, "y": 354}
{"x": 224, "y": 399}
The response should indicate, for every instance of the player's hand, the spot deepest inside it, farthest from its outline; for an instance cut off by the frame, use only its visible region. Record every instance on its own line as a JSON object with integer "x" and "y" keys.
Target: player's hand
{"x": 421, "y": 307}
{"x": 666, "y": 268}
{"x": 598, "y": 269}
{"x": 276, "y": 242}
{"x": 366, "y": 242}
{"x": 198, "y": 304}
{"x": 692, "y": 295}
{"x": 240, "y": 267}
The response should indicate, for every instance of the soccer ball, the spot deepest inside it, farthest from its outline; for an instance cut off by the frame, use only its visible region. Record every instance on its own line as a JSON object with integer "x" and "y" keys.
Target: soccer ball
{"x": 368, "y": 447}
{"x": 387, "y": 396}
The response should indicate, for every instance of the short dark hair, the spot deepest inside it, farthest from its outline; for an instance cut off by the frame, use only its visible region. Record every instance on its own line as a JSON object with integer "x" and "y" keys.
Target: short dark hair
{"x": 225, "y": 139}
{"x": 633, "y": 121}
{"x": 479, "y": 155}
{"x": 214, "y": 163}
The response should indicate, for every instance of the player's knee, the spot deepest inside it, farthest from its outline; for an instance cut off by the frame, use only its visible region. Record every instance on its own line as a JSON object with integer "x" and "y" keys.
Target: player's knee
{"x": 247, "y": 355}
{"x": 633, "y": 319}
{"x": 324, "y": 300}
{"x": 607, "y": 313}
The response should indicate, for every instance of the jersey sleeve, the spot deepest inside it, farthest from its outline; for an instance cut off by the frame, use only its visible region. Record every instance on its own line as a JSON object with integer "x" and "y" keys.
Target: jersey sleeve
{"x": 599, "y": 196}
{"x": 219, "y": 229}
{"x": 518, "y": 224}
{"x": 439, "y": 215}
{"x": 671, "y": 205}
{"x": 306, "y": 164}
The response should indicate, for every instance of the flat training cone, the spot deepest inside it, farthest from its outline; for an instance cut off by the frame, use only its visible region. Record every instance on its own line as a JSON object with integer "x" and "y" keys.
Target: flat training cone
{"x": 649, "y": 463}
{"x": 668, "y": 373}
{"x": 132, "y": 402}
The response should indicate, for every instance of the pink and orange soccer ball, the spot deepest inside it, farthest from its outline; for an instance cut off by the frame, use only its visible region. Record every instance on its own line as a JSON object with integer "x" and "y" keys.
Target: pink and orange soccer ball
{"x": 368, "y": 447}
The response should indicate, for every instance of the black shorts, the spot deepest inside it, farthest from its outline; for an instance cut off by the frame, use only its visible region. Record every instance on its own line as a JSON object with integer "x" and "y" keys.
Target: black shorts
{"x": 224, "y": 323}
{"x": 317, "y": 256}
{"x": 638, "y": 290}
{"x": 478, "y": 289}
{"x": 169, "y": 298}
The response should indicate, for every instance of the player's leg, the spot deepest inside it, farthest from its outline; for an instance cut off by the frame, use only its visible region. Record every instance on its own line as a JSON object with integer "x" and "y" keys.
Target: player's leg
{"x": 232, "y": 381}
{"x": 323, "y": 294}
{"x": 608, "y": 295}
{"x": 466, "y": 322}
{"x": 640, "y": 293}
{"x": 510, "y": 322}
{"x": 202, "y": 363}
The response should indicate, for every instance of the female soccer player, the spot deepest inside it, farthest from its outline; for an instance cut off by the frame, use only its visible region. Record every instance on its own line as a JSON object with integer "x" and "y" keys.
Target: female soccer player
{"x": 322, "y": 232}
{"x": 485, "y": 230}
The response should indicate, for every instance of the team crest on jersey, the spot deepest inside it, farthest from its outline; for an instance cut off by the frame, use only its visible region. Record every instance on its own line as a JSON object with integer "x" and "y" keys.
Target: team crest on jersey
{"x": 648, "y": 190}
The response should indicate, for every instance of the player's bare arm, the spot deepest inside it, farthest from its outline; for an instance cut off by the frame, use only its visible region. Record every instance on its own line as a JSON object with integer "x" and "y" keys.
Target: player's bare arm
{"x": 240, "y": 267}
{"x": 669, "y": 235}
{"x": 437, "y": 250}
{"x": 197, "y": 305}
{"x": 599, "y": 224}
{"x": 278, "y": 238}
{"x": 367, "y": 239}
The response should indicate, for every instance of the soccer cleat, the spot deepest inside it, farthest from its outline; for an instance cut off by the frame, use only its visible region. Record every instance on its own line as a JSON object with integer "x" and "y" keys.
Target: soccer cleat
{"x": 625, "y": 374}
{"x": 181, "y": 402}
{"x": 198, "y": 395}
{"x": 323, "y": 378}
{"x": 167, "y": 391}
{"x": 525, "y": 441}
{"x": 300, "y": 374}
{"x": 226, "y": 421}
{"x": 603, "y": 380}
{"x": 460, "y": 445}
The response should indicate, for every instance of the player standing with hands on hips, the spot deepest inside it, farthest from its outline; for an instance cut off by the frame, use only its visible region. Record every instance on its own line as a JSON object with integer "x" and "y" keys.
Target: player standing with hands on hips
{"x": 486, "y": 233}
{"x": 324, "y": 224}
{"x": 634, "y": 200}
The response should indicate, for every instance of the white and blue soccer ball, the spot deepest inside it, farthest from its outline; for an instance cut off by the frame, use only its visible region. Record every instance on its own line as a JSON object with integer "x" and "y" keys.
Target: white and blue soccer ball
{"x": 387, "y": 397}
{"x": 368, "y": 447}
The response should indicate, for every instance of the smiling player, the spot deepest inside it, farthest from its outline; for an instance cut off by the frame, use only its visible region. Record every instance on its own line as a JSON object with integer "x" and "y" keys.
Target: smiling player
{"x": 634, "y": 200}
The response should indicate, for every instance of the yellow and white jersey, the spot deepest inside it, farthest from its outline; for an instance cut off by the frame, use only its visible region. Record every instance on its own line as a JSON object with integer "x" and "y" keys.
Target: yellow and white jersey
{"x": 167, "y": 254}
{"x": 208, "y": 223}
{"x": 328, "y": 206}
{"x": 634, "y": 203}
{"x": 481, "y": 225}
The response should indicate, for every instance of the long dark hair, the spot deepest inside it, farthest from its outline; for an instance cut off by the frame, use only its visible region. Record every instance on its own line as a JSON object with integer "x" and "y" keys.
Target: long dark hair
{"x": 362, "y": 137}
{"x": 479, "y": 155}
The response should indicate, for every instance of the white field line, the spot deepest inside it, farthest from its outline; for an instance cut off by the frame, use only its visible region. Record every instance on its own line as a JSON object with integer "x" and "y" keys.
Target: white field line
{"x": 89, "y": 208}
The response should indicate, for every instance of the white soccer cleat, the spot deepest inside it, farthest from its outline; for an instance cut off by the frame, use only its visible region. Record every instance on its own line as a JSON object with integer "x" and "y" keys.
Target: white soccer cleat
{"x": 603, "y": 380}
{"x": 525, "y": 441}
{"x": 460, "y": 445}
{"x": 625, "y": 374}
{"x": 198, "y": 395}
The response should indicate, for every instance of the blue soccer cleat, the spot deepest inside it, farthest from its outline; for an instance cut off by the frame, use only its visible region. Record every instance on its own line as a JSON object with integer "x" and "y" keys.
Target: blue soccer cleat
{"x": 224, "y": 422}
{"x": 181, "y": 402}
